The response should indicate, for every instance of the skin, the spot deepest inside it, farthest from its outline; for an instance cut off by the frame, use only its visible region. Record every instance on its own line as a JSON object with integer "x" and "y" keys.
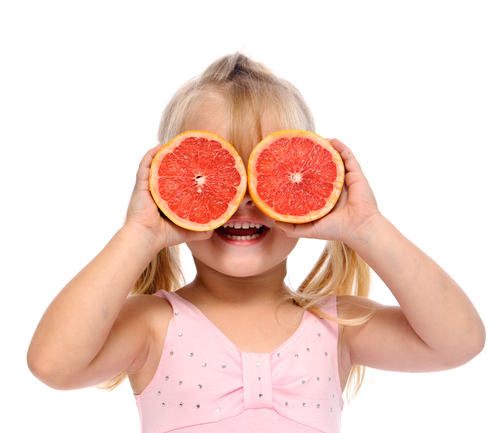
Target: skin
{"x": 92, "y": 331}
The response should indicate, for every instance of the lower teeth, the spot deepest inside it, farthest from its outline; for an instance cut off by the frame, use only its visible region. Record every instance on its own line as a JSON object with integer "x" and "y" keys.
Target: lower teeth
{"x": 243, "y": 238}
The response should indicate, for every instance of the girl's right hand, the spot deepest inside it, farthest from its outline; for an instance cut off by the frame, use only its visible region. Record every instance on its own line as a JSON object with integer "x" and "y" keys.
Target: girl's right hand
{"x": 144, "y": 215}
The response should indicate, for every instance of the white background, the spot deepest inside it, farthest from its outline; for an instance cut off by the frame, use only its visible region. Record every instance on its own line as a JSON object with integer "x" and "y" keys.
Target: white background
{"x": 411, "y": 87}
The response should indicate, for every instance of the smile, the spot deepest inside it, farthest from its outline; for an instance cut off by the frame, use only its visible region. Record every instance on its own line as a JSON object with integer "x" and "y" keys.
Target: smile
{"x": 241, "y": 231}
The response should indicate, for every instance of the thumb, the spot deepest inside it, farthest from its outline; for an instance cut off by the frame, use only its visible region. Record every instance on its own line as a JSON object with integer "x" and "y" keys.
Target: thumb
{"x": 297, "y": 230}
{"x": 198, "y": 236}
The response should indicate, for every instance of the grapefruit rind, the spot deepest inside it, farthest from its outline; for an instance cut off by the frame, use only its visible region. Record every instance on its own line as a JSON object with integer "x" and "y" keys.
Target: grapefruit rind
{"x": 162, "y": 204}
{"x": 253, "y": 176}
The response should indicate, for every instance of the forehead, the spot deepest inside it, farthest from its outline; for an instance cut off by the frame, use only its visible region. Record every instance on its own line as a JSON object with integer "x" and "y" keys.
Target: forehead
{"x": 208, "y": 113}
{"x": 211, "y": 112}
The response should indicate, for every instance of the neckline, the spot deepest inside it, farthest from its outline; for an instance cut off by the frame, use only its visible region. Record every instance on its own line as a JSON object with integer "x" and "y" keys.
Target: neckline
{"x": 223, "y": 336}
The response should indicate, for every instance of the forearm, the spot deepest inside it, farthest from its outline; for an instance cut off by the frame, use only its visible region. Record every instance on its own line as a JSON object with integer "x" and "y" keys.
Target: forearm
{"x": 434, "y": 305}
{"x": 75, "y": 326}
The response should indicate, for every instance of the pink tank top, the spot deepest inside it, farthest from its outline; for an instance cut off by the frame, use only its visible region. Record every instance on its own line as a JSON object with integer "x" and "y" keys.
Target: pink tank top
{"x": 204, "y": 383}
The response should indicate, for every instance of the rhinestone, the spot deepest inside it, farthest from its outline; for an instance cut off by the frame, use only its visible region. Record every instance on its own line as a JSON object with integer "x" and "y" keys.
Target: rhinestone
{"x": 197, "y": 406}
{"x": 331, "y": 410}
{"x": 159, "y": 392}
{"x": 333, "y": 395}
{"x": 191, "y": 354}
{"x": 260, "y": 378}
{"x": 303, "y": 404}
{"x": 318, "y": 405}
{"x": 260, "y": 396}
{"x": 323, "y": 303}
{"x": 180, "y": 382}
{"x": 321, "y": 317}
{"x": 180, "y": 334}
{"x": 204, "y": 364}
{"x": 319, "y": 335}
{"x": 317, "y": 379}
{"x": 287, "y": 404}
{"x": 163, "y": 404}
{"x": 166, "y": 377}
{"x": 279, "y": 355}
{"x": 176, "y": 313}
{"x": 181, "y": 404}
{"x": 223, "y": 365}
{"x": 171, "y": 353}
{"x": 303, "y": 382}
{"x": 307, "y": 348}
{"x": 326, "y": 353}
{"x": 329, "y": 379}
{"x": 199, "y": 386}
{"x": 296, "y": 355}
{"x": 217, "y": 410}
{"x": 257, "y": 364}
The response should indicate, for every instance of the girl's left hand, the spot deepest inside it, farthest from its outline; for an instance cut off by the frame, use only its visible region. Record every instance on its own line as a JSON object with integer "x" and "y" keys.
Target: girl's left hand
{"x": 353, "y": 212}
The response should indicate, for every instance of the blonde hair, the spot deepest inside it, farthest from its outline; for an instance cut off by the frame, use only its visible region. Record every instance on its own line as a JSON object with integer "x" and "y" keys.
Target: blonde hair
{"x": 250, "y": 92}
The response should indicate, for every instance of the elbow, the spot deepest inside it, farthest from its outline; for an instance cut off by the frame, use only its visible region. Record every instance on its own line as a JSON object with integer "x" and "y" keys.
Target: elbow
{"x": 48, "y": 371}
{"x": 476, "y": 340}
{"x": 465, "y": 350}
{"x": 479, "y": 341}
{"x": 43, "y": 372}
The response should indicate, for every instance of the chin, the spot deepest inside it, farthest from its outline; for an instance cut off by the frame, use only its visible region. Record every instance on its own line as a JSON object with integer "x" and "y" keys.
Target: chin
{"x": 243, "y": 270}
{"x": 237, "y": 267}
{"x": 242, "y": 259}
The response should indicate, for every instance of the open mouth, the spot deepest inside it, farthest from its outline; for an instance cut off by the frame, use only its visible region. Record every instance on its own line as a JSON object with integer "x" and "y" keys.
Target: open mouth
{"x": 242, "y": 231}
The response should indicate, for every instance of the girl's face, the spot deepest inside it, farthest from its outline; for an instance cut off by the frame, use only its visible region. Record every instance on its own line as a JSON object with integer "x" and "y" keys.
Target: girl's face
{"x": 249, "y": 243}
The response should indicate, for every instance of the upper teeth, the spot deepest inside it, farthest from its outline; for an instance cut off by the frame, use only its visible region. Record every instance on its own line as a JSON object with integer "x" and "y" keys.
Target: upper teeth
{"x": 244, "y": 225}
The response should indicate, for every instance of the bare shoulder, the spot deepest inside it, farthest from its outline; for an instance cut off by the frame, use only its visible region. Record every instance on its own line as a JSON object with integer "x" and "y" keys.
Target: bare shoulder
{"x": 149, "y": 314}
{"x": 140, "y": 314}
{"x": 351, "y": 307}
{"x": 145, "y": 307}
{"x": 367, "y": 316}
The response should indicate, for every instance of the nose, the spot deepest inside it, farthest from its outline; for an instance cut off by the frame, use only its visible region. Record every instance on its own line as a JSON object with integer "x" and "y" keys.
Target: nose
{"x": 247, "y": 200}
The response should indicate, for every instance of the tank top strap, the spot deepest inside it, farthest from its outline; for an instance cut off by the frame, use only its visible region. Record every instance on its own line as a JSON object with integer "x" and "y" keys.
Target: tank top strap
{"x": 179, "y": 304}
{"x": 328, "y": 306}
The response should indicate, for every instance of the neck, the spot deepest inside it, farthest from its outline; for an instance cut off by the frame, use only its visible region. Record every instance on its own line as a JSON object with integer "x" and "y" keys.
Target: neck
{"x": 210, "y": 286}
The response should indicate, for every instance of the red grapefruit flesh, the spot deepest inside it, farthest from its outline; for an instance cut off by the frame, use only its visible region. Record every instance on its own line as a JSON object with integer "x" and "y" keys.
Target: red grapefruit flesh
{"x": 198, "y": 180}
{"x": 295, "y": 176}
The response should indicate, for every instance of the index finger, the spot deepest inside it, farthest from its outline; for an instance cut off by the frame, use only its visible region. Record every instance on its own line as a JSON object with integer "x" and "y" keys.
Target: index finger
{"x": 142, "y": 178}
{"x": 149, "y": 156}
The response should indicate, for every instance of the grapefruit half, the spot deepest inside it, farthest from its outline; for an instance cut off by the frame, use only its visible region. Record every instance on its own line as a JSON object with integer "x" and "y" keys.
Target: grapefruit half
{"x": 295, "y": 176}
{"x": 198, "y": 180}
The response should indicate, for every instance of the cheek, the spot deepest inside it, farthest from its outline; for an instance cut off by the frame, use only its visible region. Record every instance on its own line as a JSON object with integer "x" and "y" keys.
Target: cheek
{"x": 284, "y": 246}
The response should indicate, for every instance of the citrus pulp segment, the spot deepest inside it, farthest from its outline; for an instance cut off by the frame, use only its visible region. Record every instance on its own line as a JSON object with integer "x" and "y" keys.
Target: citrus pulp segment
{"x": 198, "y": 180}
{"x": 295, "y": 176}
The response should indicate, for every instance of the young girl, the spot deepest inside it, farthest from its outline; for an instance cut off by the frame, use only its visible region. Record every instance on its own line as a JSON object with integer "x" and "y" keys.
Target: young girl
{"x": 236, "y": 349}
